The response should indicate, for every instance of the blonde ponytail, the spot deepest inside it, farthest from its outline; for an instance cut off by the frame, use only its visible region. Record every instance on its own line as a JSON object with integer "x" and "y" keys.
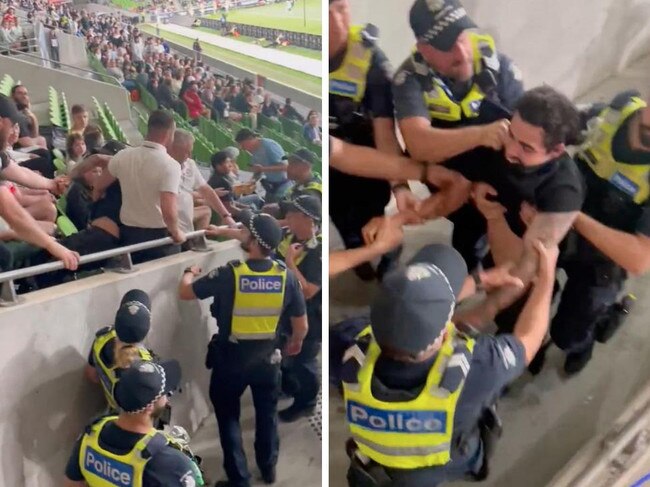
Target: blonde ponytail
{"x": 125, "y": 354}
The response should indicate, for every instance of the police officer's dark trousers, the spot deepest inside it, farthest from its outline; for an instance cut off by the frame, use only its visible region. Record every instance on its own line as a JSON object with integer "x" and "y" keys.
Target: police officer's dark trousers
{"x": 301, "y": 374}
{"x": 233, "y": 370}
{"x": 593, "y": 285}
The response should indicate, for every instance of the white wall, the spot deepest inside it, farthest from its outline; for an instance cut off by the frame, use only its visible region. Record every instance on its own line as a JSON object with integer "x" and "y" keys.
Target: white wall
{"x": 44, "y": 343}
{"x": 569, "y": 44}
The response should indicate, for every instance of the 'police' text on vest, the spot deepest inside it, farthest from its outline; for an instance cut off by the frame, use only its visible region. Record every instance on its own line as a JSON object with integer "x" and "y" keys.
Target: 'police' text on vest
{"x": 260, "y": 284}
{"x": 396, "y": 421}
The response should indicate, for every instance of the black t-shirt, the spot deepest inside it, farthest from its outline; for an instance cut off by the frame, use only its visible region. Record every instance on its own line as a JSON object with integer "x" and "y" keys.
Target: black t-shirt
{"x": 222, "y": 181}
{"x": 79, "y": 202}
{"x": 109, "y": 206}
{"x": 219, "y": 284}
{"x": 556, "y": 187}
{"x": 168, "y": 468}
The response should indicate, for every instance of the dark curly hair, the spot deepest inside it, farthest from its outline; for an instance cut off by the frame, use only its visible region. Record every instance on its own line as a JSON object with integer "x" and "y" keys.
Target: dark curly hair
{"x": 554, "y": 113}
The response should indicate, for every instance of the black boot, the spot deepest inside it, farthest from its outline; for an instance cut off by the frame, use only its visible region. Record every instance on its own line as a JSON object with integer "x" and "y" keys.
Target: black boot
{"x": 295, "y": 412}
{"x": 537, "y": 364}
{"x": 268, "y": 476}
{"x": 576, "y": 361}
{"x": 606, "y": 328}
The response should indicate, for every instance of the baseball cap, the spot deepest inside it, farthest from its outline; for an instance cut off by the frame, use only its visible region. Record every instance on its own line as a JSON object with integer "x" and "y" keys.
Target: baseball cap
{"x": 133, "y": 318}
{"x": 439, "y": 22}
{"x": 416, "y": 302}
{"x": 302, "y": 155}
{"x": 305, "y": 204}
{"x": 143, "y": 383}
{"x": 245, "y": 134}
{"x": 264, "y": 228}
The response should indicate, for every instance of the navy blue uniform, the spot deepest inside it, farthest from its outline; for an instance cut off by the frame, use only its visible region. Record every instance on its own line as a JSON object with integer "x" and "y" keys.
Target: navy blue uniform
{"x": 301, "y": 374}
{"x": 359, "y": 199}
{"x": 594, "y": 280}
{"x": 236, "y": 366}
{"x": 496, "y": 362}
{"x": 168, "y": 468}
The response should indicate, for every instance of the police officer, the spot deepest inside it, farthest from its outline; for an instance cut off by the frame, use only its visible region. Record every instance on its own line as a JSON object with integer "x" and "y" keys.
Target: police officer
{"x": 454, "y": 79}
{"x": 361, "y": 112}
{"x": 301, "y": 249}
{"x": 250, "y": 299}
{"x": 612, "y": 233}
{"x": 115, "y": 347}
{"x": 127, "y": 449}
{"x": 306, "y": 182}
{"x": 417, "y": 388}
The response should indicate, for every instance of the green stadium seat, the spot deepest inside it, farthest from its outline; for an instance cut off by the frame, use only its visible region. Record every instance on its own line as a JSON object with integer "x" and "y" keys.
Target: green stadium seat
{"x": 6, "y": 85}
{"x": 62, "y": 204}
{"x": 60, "y": 166}
{"x": 65, "y": 226}
{"x": 291, "y": 129}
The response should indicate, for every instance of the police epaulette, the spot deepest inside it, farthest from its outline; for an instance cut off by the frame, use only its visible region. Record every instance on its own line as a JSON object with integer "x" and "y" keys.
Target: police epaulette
{"x": 622, "y": 99}
{"x": 97, "y": 420}
{"x": 157, "y": 443}
{"x": 103, "y": 331}
{"x": 280, "y": 264}
{"x": 234, "y": 263}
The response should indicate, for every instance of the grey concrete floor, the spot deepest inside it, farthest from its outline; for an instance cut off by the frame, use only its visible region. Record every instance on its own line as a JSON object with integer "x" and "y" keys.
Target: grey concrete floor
{"x": 548, "y": 418}
{"x": 300, "y": 461}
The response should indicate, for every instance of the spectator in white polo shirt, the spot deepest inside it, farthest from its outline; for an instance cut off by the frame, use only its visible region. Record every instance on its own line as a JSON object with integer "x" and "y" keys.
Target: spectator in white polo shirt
{"x": 193, "y": 182}
{"x": 150, "y": 180}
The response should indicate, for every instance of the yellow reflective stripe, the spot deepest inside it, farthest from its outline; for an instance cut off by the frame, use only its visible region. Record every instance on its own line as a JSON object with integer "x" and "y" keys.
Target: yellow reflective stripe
{"x": 353, "y": 71}
{"x": 254, "y": 336}
{"x": 256, "y": 311}
{"x": 402, "y": 451}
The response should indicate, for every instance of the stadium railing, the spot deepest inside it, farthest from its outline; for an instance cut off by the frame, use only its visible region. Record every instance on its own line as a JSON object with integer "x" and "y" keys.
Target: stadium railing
{"x": 121, "y": 262}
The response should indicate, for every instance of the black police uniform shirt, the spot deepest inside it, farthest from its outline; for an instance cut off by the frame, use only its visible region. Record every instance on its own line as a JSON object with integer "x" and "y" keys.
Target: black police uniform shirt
{"x": 377, "y": 101}
{"x": 630, "y": 217}
{"x": 168, "y": 468}
{"x": 496, "y": 361}
{"x": 312, "y": 269}
{"x": 219, "y": 284}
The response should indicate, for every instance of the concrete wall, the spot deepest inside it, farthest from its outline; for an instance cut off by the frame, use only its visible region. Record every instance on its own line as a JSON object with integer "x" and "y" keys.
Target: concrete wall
{"x": 44, "y": 344}
{"x": 571, "y": 45}
{"x": 77, "y": 89}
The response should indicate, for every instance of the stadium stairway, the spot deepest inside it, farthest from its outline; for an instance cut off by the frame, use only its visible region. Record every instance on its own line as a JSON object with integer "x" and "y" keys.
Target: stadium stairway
{"x": 78, "y": 90}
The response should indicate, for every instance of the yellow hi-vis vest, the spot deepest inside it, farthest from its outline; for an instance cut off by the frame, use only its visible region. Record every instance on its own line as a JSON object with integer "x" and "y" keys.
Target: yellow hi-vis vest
{"x": 351, "y": 79}
{"x": 107, "y": 375}
{"x": 632, "y": 179}
{"x": 286, "y": 242}
{"x": 259, "y": 297}
{"x": 314, "y": 185}
{"x": 101, "y": 468}
{"x": 412, "y": 434}
{"x": 439, "y": 102}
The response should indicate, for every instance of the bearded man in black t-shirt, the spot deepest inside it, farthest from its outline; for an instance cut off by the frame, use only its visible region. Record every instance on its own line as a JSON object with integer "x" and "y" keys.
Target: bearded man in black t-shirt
{"x": 536, "y": 170}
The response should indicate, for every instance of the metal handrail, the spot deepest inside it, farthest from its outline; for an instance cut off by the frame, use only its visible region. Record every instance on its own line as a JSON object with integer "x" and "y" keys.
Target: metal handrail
{"x": 122, "y": 263}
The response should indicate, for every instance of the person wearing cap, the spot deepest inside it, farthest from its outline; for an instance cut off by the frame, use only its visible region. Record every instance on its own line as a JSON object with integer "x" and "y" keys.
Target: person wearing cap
{"x": 127, "y": 449}
{"x": 269, "y": 160}
{"x": 306, "y": 182}
{"x": 419, "y": 391}
{"x": 361, "y": 113}
{"x": 116, "y": 347}
{"x": 454, "y": 79}
{"x": 301, "y": 249}
{"x": 250, "y": 299}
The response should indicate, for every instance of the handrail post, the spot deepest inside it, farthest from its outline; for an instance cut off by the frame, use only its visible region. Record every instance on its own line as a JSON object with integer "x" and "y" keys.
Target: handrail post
{"x": 122, "y": 264}
{"x": 199, "y": 243}
{"x": 8, "y": 296}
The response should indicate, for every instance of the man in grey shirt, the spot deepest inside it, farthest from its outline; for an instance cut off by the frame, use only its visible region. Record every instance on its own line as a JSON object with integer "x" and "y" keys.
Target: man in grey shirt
{"x": 150, "y": 180}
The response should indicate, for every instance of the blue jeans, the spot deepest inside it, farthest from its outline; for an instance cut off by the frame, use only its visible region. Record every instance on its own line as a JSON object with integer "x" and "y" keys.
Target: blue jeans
{"x": 254, "y": 200}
